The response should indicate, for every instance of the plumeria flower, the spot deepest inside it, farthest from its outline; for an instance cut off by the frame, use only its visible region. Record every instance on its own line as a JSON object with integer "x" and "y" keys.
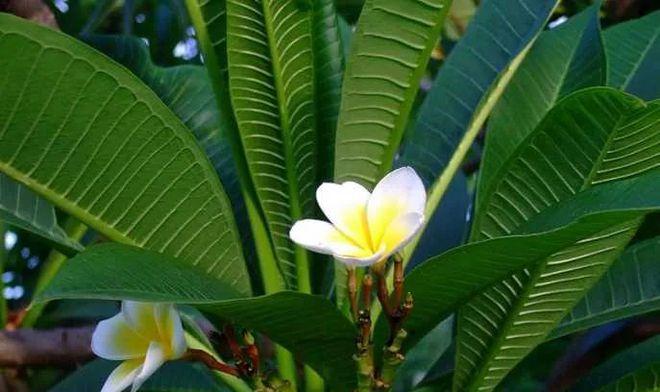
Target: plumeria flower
{"x": 365, "y": 227}
{"x": 144, "y": 336}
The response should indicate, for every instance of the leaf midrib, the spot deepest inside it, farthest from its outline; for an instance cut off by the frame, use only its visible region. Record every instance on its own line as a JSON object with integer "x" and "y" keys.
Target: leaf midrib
{"x": 477, "y": 379}
{"x": 66, "y": 205}
{"x": 642, "y": 57}
{"x": 588, "y": 180}
{"x": 523, "y": 145}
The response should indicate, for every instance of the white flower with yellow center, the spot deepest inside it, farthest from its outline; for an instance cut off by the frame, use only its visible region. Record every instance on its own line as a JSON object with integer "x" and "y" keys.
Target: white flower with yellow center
{"x": 365, "y": 227}
{"x": 144, "y": 336}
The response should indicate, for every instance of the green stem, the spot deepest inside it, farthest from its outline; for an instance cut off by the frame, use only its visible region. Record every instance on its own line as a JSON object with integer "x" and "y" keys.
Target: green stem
{"x": 75, "y": 230}
{"x": 287, "y": 365}
{"x": 365, "y": 369}
{"x": 392, "y": 358}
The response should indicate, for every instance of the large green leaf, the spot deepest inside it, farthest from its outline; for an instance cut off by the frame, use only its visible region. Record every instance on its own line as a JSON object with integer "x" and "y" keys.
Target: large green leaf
{"x": 271, "y": 78}
{"x": 389, "y": 53}
{"x": 173, "y": 376}
{"x": 561, "y": 61}
{"x": 310, "y": 326}
{"x": 591, "y": 137}
{"x": 91, "y": 138}
{"x": 629, "y": 288}
{"x": 210, "y": 21}
{"x": 466, "y": 89}
{"x": 633, "y": 49}
{"x": 188, "y": 92}
{"x": 444, "y": 283}
{"x": 20, "y": 207}
{"x": 127, "y": 272}
{"x": 621, "y": 364}
{"x": 467, "y": 84}
{"x": 328, "y": 73}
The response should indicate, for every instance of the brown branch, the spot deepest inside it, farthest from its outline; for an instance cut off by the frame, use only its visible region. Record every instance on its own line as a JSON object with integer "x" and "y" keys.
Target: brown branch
{"x": 381, "y": 291}
{"x": 398, "y": 282}
{"x": 235, "y": 348}
{"x": 367, "y": 284}
{"x": 210, "y": 362}
{"x": 32, "y": 347}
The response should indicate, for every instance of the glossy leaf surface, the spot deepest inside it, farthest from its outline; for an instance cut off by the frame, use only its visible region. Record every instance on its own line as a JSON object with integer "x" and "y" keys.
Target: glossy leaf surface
{"x": 123, "y": 164}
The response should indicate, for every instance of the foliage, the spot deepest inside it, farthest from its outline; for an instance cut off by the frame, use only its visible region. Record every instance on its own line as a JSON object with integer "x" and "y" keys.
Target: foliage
{"x": 191, "y": 152}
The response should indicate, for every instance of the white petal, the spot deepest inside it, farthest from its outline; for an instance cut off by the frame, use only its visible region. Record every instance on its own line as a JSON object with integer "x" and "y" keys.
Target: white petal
{"x": 142, "y": 317}
{"x": 401, "y": 231}
{"x": 114, "y": 339}
{"x": 345, "y": 206}
{"x": 123, "y": 376}
{"x": 171, "y": 330}
{"x": 363, "y": 261}
{"x": 323, "y": 237}
{"x": 155, "y": 359}
{"x": 398, "y": 193}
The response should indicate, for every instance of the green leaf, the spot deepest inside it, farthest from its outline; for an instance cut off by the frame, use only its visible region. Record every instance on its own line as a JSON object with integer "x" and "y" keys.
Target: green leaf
{"x": 442, "y": 384}
{"x": 310, "y": 326}
{"x": 470, "y": 81}
{"x": 20, "y": 207}
{"x": 591, "y": 137}
{"x": 561, "y": 61}
{"x": 127, "y": 272}
{"x": 173, "y": 376}
{"x": 328, "y": 73}
{"x": 389, "y": 52}
{"x": 643, "y": 380}
{"x": 444, "y": 283}
{"x": 627, "y": 289}
{"x": 623, "y": 363}
{"x": 467, "y": 87}
{"x": 633, "y": 49}
{"x": 271, "y": 79}
{"x": 421, "y": 358}
{"x": 210, "y": 21}
{"x": 103, "y": 148}
{"x": 328, "y": 51}
{"x": 188, "y": 92}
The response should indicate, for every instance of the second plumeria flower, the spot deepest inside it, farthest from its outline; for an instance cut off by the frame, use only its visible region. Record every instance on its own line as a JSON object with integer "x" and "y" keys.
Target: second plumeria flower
{"x": 365, "y": 227}
{"x": 144, "y": 336}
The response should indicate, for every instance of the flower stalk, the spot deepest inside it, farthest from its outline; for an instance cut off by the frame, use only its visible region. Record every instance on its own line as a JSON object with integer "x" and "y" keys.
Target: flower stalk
{"x": 396, "y": 309}
{"x": 366, "y": 229}
{"x": 364, "y": 356}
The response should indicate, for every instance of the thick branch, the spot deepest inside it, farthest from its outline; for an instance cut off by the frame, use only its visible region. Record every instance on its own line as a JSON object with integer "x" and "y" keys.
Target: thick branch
{"x": 33, "y": 347}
